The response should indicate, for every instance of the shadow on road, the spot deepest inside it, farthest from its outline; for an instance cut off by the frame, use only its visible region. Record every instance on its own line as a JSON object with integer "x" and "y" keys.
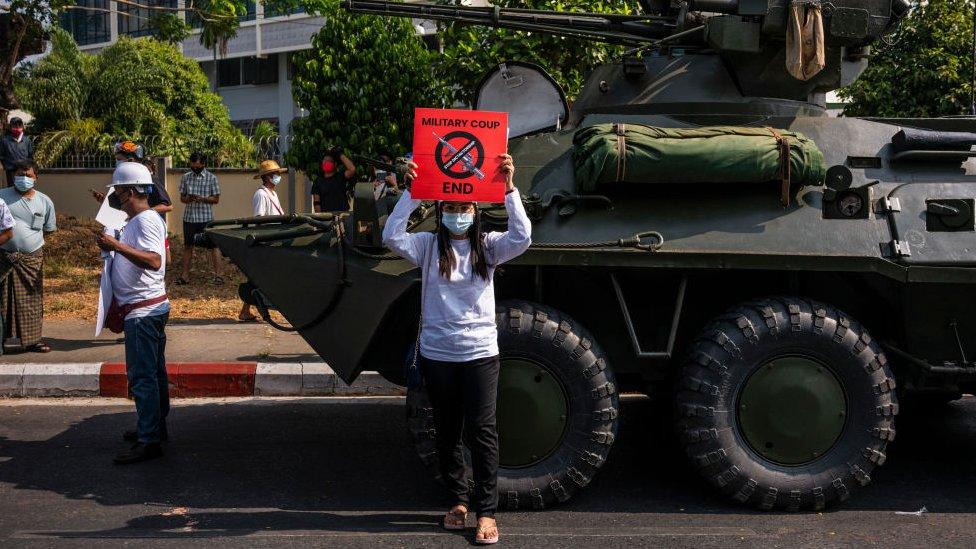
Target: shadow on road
{"x": 349, "y": 466}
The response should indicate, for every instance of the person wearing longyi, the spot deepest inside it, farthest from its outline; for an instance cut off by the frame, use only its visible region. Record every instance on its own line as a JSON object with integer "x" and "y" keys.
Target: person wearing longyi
{"x": 458, "y": 343}
{"x": 22, "y": 259}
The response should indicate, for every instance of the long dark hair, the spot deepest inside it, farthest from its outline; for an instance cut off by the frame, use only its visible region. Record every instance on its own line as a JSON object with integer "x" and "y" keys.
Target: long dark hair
{"x": 445, "y": 253}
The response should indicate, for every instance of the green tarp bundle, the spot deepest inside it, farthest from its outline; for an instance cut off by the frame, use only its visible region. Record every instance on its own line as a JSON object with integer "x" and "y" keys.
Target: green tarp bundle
{"x": 611, "y": 153}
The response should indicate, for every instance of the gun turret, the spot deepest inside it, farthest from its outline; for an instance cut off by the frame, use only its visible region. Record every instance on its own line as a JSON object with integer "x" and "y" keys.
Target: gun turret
{"x": 736, "y": 22}
{"x": 750, "y": 36}
{"x": 613, "y": 28}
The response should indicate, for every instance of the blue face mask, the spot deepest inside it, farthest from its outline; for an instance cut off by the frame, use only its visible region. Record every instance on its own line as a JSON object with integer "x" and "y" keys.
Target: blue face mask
{"x": 457, "y": 223}
{"x": 23, "y": 183}
{"x": 275, "y": 179}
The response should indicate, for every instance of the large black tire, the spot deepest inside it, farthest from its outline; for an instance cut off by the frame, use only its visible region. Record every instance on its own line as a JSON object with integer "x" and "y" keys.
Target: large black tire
{"x": 567, "y": 350}
{"x": 731, "y": 349}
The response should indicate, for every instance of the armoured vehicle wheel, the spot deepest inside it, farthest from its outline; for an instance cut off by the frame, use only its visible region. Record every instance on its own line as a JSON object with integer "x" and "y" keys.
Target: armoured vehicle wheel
{"x": 786, "y": 404}
{"x": 557, "y": 408}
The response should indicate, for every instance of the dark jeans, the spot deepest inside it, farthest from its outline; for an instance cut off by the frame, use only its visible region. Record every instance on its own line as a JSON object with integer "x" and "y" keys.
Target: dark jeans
{"x": 463, "y": 397}
{"x": 145, "y": 367}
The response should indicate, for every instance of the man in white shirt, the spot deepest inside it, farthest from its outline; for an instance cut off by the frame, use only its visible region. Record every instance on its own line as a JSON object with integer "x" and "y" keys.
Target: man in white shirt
{"x": 139, "y": 290}
{"x": 264, "y": 202}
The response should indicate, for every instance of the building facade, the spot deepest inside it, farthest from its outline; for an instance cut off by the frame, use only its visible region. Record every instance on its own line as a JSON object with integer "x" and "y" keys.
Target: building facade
{"x": 253, "y": 76}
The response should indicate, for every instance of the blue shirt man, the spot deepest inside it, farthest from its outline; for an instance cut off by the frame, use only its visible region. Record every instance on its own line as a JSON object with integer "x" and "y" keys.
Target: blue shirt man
{"x": 22, "y": 259}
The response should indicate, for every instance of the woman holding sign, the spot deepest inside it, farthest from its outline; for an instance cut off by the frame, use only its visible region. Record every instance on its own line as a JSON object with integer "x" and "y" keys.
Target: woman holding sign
{"x": 458, "y": 342}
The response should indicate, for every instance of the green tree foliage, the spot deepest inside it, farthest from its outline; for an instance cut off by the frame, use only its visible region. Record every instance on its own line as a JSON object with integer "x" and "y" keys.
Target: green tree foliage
{"x": 22, "y": 24}
{"x": 133, "y": 89}
{"x": 359, "y": 82}
{"x": 925, "y": 71}
{"x": 471, "y": 50}
{"x": 219, "y": 20}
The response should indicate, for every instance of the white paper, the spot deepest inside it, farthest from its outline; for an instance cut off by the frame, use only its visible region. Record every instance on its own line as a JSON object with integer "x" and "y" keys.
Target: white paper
{"x": 105, "y": 287}
{"x": 108, "y": 216}
{"x": 104, "y": 294}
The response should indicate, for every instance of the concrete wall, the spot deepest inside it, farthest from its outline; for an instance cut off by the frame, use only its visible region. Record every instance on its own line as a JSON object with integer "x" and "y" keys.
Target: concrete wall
{"x": 68, "y": 190}
{"x": 250, "y": 102}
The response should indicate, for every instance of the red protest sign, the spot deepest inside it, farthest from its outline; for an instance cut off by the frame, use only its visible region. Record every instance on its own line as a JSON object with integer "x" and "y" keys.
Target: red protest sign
{"x": 456, "y": 152}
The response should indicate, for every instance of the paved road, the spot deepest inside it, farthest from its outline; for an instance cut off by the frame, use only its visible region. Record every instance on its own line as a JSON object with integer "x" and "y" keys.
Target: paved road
{"x": 341, "y": 472}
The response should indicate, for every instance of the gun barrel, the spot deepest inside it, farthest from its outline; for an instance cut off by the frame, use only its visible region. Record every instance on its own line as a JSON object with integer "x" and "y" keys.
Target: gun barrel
{"x": 613, "y": 28}
{"x": 374, "y": 162}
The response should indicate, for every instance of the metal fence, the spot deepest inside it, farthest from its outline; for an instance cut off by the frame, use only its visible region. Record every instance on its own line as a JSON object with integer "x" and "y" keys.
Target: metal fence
{"x": 61, "y": 150}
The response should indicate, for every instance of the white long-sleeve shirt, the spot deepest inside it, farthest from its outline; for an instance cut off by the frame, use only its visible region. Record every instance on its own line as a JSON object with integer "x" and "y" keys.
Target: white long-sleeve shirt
{"x": 458, "y": 313}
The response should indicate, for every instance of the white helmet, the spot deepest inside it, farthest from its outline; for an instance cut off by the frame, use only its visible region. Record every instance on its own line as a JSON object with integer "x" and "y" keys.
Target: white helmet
{"x": 132, "y": 173}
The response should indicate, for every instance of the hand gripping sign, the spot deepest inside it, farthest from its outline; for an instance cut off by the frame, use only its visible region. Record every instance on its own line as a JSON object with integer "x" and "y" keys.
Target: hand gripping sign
{"x": 456, "y": 152}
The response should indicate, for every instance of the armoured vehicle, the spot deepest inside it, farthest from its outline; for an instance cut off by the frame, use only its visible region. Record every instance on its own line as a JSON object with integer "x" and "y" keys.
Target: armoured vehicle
{"x": 785, "y": 316}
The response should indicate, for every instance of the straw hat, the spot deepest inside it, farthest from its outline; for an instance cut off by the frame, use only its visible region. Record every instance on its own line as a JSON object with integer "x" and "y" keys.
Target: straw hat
{"x": 269, "y": 166}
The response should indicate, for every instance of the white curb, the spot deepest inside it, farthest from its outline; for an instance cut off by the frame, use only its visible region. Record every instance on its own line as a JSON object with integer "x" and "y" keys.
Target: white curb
{"x": 43, "y": 380}
{"x": 271, "y": 379}
{"x": 316, "y": 379}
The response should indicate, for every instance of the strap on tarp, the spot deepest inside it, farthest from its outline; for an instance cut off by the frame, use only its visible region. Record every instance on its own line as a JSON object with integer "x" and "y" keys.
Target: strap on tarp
{"x": 783, "y": 144}
{"x": 621, "y": 131}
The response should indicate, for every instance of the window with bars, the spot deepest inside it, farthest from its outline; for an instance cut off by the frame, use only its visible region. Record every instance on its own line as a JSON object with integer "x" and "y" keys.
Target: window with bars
{"x": 136, "y": 21}
{"x": 88, "y": 22}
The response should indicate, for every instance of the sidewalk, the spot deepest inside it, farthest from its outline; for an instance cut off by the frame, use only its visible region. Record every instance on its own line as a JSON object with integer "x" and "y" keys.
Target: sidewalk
{"x": 186, "y": 341}
{"x": 204, "y": 359}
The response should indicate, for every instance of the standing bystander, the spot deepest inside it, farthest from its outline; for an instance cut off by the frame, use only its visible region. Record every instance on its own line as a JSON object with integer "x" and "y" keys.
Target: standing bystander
{"x": 15, "y": 146}
{"x": 199, "y": 191}
{"x": 138, "y": 275}
{"x": 331, "y": 193}
{"x": 22, "y": 260}
{"x": 264, "y": 202}
{"x": 128, "y": 151}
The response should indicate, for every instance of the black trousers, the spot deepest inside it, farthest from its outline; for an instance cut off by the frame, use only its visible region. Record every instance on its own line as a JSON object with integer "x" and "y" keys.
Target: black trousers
{"x": 463, "y": 396}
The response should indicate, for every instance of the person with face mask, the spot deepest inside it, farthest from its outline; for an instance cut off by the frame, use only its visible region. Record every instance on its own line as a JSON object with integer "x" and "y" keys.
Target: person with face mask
{"x": 22, "y": 260}
{"x": 458, "y": 343}
{"x": 159, "y": 200}
{"x": 199, "y": 191}
{"x": 264, "y": 202}
{"x": 15, "y": 146}
{"x": 138, "y": 276}
{"x": 331, "y": 192}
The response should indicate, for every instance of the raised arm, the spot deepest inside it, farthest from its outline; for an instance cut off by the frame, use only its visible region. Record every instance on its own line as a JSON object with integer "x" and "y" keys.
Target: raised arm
{"x": 409, "y": 246}
{"x": 518, "y": 237}
{"x": 350, "y": 170}
{"x": 513, "y": 242}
